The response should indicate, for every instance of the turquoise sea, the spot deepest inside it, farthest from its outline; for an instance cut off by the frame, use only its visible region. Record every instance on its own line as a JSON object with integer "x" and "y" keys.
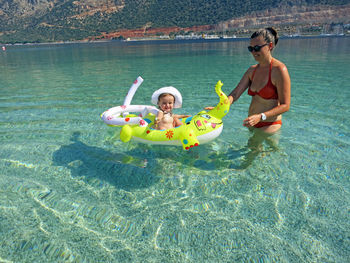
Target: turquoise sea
{"x": 71, "y": 191}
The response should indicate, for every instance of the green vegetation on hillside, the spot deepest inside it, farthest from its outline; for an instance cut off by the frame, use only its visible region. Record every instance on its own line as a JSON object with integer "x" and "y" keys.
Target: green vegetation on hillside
{"x": 61, "y": 23}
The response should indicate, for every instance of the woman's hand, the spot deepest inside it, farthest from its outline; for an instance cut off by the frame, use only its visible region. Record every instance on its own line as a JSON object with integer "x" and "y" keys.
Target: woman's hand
{"x": 252, "y": 120}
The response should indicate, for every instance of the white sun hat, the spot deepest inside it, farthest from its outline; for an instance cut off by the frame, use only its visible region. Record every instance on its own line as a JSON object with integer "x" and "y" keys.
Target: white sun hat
{"x": 168, "y": 90}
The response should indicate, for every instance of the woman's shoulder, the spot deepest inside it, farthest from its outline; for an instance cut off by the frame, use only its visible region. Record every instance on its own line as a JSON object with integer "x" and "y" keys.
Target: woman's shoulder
{"x": 279, "y": 71}
{"x": 277, "y": 64}
{"x": 251, "y": 69}
{"x": 278, "y": 67}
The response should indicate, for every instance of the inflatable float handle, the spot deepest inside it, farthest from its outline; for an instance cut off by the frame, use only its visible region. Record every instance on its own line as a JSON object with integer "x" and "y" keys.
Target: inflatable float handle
{"x": 223, "y": 106}
{"x": 131, "y": 92}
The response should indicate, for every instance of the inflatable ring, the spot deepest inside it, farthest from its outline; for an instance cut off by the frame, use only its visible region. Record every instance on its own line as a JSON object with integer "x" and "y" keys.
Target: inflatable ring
{"x": 198, "y": 129}
{"x": 114, "y": 116}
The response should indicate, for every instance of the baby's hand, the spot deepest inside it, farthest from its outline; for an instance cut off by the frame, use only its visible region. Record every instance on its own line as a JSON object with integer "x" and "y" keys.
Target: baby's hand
{"x": 181, "y": 116}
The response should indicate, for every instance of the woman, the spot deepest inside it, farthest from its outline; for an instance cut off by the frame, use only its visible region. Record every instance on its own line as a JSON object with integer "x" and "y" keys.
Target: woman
{"x": 268, "y": 83}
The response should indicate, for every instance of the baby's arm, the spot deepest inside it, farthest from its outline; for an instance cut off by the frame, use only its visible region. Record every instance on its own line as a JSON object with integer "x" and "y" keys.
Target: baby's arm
{"x": 177, "y": 122}
{"x": 159, "y": 117}
{"x": 177, "y": 118}
{"x": 181, "y": 116}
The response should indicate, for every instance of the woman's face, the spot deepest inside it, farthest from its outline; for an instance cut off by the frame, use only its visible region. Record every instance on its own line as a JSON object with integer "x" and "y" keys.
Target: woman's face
{"x": 265, "y": 48}
{"x": 166, "y": 102}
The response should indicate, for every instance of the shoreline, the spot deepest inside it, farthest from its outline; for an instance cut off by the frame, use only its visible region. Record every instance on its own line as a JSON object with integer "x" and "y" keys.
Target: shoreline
{"x": 168, "y": 41}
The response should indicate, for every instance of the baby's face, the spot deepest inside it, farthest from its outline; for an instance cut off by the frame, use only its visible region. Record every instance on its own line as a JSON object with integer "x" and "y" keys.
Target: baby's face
{"x": 166, "y": 103}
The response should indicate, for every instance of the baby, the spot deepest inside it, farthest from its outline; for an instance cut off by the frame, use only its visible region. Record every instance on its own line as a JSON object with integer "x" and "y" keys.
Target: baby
{"x": 167, "y": 98}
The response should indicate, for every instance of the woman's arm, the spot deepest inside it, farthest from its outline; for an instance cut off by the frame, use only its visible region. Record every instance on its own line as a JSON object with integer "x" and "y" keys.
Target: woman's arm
{"x": 283, "y": 89}
{"x": 240, "y": 88}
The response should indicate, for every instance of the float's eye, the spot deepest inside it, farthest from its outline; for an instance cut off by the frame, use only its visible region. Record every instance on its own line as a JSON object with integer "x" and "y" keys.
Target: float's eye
{"x": 205, "y": 116}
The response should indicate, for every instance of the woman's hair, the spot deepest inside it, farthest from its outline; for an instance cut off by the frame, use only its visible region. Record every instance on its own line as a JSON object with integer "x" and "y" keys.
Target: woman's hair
{"x": 269, "y": 34}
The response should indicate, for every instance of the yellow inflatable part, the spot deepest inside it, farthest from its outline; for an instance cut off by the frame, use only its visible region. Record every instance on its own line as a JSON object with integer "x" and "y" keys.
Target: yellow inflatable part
{"x": 200, "y": 128}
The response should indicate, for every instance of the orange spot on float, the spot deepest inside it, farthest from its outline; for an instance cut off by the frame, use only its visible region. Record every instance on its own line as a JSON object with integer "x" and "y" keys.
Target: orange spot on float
{"x": 148, "y": 131}
{"x": 127, "y": 119}
{"x": 169, "y": 134}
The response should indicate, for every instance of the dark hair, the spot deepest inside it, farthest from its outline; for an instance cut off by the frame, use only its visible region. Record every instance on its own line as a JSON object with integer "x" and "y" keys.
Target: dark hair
{"x": 269, "y": 34}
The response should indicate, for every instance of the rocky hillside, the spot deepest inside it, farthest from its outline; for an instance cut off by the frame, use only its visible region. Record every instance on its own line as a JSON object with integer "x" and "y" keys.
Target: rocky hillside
{"x": 67, "y": 20}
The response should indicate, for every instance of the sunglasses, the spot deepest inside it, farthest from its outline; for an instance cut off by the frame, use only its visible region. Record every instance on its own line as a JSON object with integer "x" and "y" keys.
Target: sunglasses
{"x": 256, "y": 48}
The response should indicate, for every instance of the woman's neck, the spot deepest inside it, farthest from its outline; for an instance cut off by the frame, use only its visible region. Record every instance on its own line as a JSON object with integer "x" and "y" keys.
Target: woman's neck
{"x": 266, "y": 61}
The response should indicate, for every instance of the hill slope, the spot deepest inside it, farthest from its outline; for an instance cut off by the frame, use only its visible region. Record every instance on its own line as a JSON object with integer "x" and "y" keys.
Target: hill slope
{"x": 63, "y": 20}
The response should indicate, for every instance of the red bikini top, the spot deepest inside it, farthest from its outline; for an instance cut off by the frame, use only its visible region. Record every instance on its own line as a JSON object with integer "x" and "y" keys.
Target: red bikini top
{"x": 269, "y": 91}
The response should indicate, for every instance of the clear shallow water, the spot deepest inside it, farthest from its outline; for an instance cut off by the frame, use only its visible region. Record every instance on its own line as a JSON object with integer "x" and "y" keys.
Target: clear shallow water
{"x": 71, "y": 191}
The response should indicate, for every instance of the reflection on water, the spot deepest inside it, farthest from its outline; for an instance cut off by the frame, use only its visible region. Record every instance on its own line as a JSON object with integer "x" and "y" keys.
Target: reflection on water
{"x": 88, "y": 161}
{"x": 230, "y": 156}
{"x": 255, "y": 146}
